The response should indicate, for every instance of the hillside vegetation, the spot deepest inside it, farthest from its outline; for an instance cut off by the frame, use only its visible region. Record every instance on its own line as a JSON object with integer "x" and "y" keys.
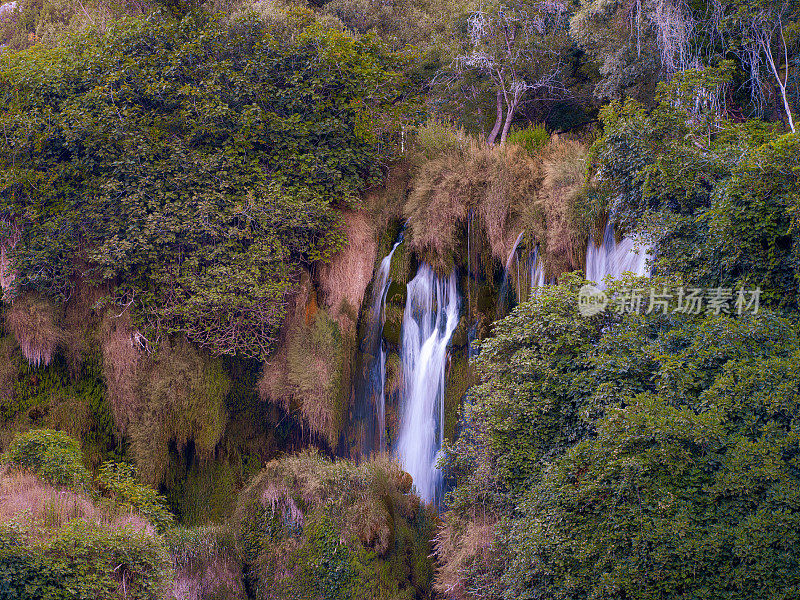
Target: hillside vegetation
{"x": 202, "y": 381}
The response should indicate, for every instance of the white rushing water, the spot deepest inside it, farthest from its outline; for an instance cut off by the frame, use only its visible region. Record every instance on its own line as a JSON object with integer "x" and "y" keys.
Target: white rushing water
{"x": 611, "y": 258}
{"x": 503, "y": 302}
{"x": 373, "y": 389}
{"x": 431, "y": 316}
{"x": 536, "y": 272}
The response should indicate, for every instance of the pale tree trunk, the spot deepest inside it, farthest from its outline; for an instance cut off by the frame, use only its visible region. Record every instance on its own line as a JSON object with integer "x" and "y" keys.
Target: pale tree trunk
{"x": 512, "y": 108}
{"x": 765, "y": 44}
{"x": 498, "y": 120}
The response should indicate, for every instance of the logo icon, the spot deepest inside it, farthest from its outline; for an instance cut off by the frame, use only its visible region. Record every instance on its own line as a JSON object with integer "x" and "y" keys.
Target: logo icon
{"x": 591, "y": 300}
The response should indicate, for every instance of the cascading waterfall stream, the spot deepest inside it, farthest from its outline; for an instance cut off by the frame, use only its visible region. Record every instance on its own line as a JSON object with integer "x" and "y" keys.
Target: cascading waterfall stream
{"x": 536, "y": 272}
{"x": 503, "y": 298}
{"x": 372, "y": 391}
{"x": 614, "y": 259}
{"x": 431, "y": 315}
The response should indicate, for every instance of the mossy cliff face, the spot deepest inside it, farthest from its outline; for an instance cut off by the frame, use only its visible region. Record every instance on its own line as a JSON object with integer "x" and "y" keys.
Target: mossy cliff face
{"x": 492, "y": 215}
{"x": 195, "y": 423}
{"x": 192, "y": 423}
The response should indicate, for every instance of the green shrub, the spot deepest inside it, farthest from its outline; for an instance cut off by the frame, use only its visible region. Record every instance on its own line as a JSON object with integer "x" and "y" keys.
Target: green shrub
{"x": 120, "y": 481}
{"x": 214, "y": 263}
{"x": 635, "y": 456}
{"x": 532, "y": 138}
{"x": 52, "y": 455}
{"x": 311, "y": 528}
{"x": 83, "y": 562}
{"x": 437, "y": 137}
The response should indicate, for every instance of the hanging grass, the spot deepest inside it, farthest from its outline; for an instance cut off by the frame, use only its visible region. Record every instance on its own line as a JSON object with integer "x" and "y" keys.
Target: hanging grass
{"x": 34, "y": 322}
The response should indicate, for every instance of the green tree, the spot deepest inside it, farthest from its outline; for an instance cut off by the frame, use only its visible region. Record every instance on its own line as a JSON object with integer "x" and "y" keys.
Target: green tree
{"x": 717, "y": 198}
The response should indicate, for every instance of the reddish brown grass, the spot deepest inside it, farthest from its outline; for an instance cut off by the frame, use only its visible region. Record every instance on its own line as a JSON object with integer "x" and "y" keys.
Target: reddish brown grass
{"x": 34, "y": 321}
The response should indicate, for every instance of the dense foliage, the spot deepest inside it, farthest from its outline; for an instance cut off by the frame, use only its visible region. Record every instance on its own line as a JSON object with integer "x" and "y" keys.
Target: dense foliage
{"x": 718, "y": 197}
{"x": 53, "y": 455}
{"x": 634, "y": 456}
{"x": 82, "y": 562}
{"x": 194, "y": 197}
{"x": 193, "y": 163}
{"x": 60, "y": 539}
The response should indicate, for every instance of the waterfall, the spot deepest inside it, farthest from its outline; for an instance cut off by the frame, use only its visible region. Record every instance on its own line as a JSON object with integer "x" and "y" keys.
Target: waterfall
{"x": 536, "y": 272}
{"x": 431, "y": 315}
{"x": 502, "y": 300}
{"x": 371, "y": 390}
{"x": 611, "y": 258}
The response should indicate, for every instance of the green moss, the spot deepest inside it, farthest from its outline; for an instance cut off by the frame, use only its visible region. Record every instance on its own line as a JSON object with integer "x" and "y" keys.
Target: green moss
{"x": 392, "y": 326}
{"x": 318, "y": 374}
{"x": 400, "y": 269}
{"x": 485, "y": 299}
{"x": 50, "y": 397}
{"x": 460, "y": 337}
{"x": 396, "y": 294}
{"x": 202, "y": 493}
{"x": 459, "y": 379}
{"x": 184, "y": 395}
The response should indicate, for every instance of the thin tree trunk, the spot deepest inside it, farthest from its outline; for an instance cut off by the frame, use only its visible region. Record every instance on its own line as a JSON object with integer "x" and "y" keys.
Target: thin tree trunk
{"x": 507, "y": 126}
{"x": 781, "y": 84}
{"x": 498, "y": 121}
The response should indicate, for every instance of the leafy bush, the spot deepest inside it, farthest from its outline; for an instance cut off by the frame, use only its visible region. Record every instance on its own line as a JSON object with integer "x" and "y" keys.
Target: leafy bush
{"x": 722, "y": 213}
{"x": 532, "y": 138}
{"x": 120, "y": 481}
{"x": 129, "y": 127}
{"x": 52, "y": 455}
{"x": 627, "y": 456}
{"x": 83, "y": 562}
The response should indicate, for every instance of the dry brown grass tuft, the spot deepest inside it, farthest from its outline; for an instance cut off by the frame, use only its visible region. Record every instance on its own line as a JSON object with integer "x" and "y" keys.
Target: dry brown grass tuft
{"x": 183, "y": 393}
{"x": 514, "y": 181}
{"x": 80, "y": 323}
{"x": 344, "y": 280}
{"x": 499, "y": 184}
{"x": 121, "y": 368}
{"x": 510, "y": 191}
{"x": 206, "y": 563}
{"x": 46, "y": 508}
{"x": 35, "y": 323}
{"x": 442, "y": 193}
{"x": 364, "y": 495}
{"x": 462, "y": 548}
{"x": 307, "y": 374}
{"x": 564, "y": 165}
